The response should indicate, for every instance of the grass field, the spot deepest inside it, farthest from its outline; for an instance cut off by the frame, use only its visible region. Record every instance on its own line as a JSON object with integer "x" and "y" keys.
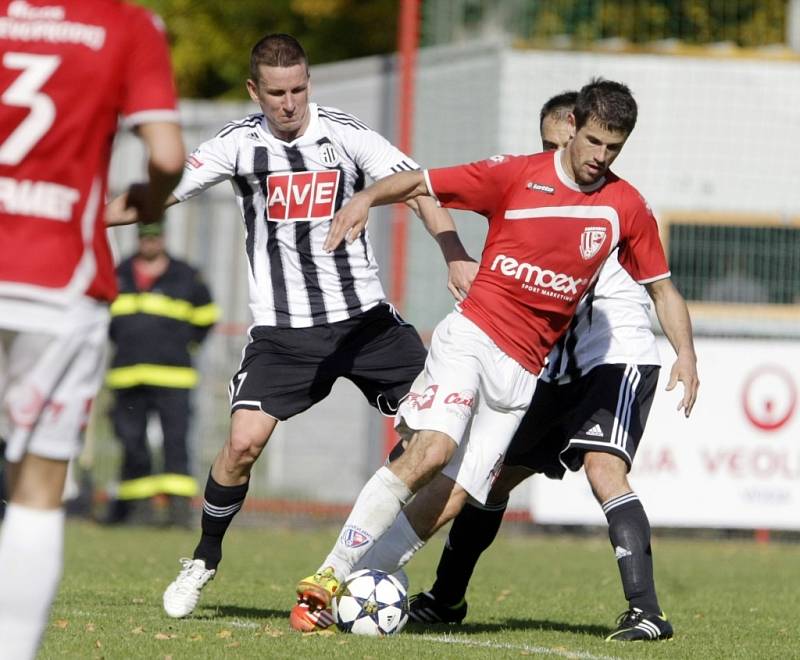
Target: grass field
{"x": 546, "y": 596}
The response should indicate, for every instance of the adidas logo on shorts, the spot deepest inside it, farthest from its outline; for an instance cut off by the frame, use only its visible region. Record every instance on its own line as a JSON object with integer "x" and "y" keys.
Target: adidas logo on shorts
{"x": 595, "y": 431}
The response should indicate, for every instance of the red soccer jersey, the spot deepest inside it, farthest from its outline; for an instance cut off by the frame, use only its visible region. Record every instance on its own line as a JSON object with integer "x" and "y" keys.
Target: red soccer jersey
{"x": 68, "y": 70}
{"x": 547, "y": 239}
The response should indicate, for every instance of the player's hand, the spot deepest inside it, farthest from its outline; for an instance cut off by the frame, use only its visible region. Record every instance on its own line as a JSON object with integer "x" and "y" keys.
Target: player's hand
{"x": 685, "y": 371}
{"x": 120, "y": 212}
{"x": 348, "y": 223}
{"x": 135, "y": 205}
{"x": 460, "y": 275}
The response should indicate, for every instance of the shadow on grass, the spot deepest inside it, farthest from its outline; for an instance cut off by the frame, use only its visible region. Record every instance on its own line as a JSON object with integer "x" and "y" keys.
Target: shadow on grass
{"x": 512, "y": 624}
{"x": 237, "y": 612}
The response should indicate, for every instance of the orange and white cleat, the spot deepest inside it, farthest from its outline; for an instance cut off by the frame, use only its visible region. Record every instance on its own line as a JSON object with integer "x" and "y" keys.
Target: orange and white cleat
{"x": 306, "y": 619}
{"x": 317, "y": 590}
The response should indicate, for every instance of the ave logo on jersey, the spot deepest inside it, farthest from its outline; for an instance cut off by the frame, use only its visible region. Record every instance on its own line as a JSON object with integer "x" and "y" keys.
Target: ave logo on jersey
{"x": 592, "y": 240}
{"x": 328, "y": 155}
{"x": 302, "y": 196}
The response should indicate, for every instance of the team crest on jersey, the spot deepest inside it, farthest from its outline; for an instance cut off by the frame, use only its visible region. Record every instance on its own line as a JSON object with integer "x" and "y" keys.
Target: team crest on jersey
{"x": 328, "y": 155}
{"x": 302, "y": 196}
{"x": 592, "y": 240}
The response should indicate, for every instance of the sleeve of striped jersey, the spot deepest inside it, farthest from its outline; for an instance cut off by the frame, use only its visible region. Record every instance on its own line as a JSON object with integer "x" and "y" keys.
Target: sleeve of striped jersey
{"x": 478, "y": 186}
{"x": 378, "y": 157}
{"x": 212, "y": 162}
{"x": 640, "y": 251}
{"x": 149, "y": 89}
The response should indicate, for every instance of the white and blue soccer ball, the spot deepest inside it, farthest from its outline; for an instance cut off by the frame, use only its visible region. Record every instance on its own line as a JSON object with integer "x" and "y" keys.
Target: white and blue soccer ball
{"x": 372, "y": 603}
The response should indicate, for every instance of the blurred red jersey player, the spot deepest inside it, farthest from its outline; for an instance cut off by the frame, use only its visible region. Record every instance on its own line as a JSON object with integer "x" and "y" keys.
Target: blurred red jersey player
{"x": 68, "y": 71}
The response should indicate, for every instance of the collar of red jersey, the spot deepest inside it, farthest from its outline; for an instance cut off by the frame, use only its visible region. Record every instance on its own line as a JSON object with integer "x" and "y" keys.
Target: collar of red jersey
{"x": 568, "y": 181}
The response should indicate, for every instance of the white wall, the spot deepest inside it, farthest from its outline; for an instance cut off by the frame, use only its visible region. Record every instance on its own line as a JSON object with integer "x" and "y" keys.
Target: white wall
{"x": 713, "y": 134}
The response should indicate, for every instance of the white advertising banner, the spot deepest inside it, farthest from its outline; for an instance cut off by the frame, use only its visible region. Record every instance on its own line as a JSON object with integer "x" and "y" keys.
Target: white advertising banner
{"x": 735, "y": 463}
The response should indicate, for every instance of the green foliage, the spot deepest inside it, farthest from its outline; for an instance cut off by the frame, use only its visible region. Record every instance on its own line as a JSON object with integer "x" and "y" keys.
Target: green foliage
{"x": 539, "y": 596}
{"x": 746, "y": 23}
{"x": 211, "y": 40}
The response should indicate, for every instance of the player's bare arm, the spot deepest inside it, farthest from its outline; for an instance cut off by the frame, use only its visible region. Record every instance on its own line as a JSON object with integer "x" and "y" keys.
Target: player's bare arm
{"x": 461, "y": 268}
{"x": 350, "y": 220}
{"x": 673, "y": 314}
{"x": 145, "y": 202}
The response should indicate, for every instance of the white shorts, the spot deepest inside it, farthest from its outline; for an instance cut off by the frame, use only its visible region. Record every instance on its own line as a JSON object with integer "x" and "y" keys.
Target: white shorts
{"x": 475, "y": 393}
{"x": 48, "y": 382}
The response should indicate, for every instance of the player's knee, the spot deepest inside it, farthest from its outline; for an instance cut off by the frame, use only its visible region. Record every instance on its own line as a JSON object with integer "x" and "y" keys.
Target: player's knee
{"x": 434, "y": 450}
{"x": 607, "y": 475}
{"x": 243, "y": 448}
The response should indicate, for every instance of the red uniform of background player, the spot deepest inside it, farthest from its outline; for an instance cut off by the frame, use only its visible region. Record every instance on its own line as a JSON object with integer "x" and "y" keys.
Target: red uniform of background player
{"x": 68, "y": 70}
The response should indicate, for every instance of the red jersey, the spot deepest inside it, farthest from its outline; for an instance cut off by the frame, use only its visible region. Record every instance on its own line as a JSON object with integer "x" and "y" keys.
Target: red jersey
{"x": 68, "y": 70}
{"x": 548, "y": 238}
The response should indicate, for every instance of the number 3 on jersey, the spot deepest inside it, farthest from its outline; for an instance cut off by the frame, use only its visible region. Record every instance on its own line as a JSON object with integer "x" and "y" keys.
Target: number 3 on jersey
{"x": 25, "y": 92}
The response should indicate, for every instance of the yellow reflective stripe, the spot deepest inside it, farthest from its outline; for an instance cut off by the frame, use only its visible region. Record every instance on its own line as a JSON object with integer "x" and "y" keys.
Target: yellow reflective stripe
{"x": 146, "y": 487}
{"x": 139, "y": 489}
{"x": 124, "y": 304}
{"x": 178, "y": 484}
{"x": 151, "y": 374}
{"x": 156, "y": 304}
{"x": 205, "y": 314}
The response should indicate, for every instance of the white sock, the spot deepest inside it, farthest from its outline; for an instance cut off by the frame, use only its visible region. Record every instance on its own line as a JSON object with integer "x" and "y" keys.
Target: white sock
{"x": 31, "y": 555}
{"x": 375, "y": 510}
{"x": 394, "y": 549}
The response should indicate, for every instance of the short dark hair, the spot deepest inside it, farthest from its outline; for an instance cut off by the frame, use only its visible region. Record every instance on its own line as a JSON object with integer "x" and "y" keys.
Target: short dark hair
{"x": 558, "y": 107}
{"x": 609, "y": 103}
{"x": 276, "y": 50}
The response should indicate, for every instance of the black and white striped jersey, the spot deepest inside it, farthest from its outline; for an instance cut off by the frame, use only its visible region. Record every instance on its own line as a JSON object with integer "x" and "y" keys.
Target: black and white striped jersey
{"x": 287, "y": 193}
{"x": 610, "y": 326}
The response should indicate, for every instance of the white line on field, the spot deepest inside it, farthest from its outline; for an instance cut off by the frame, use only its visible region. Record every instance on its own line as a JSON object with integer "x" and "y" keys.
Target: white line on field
{"x": 541, "y": 650}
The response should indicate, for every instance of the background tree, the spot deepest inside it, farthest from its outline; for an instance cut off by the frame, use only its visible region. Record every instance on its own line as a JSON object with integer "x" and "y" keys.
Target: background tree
{"x": 211, "y": 40}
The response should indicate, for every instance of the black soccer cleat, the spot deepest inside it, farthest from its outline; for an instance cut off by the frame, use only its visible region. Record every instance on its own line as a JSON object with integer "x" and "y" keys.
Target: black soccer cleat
{"x": 424, "y": 608}
{"x": 638, "y": 626}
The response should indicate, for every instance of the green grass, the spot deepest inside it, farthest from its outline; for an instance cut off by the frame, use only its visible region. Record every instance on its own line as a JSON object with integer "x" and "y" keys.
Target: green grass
{"x": 532, "y": 595}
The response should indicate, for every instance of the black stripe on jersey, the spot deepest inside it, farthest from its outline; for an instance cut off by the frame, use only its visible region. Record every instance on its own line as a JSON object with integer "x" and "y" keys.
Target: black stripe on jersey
{"x": 248, "y": 122}
{"x": 340, "y": 258}
{"x": 345, "y": 120}
{"x": 246, "y": 192}
{"x": 572, "y": 369}
{"x": 344, "y": 116}
{"x": 404, "y": 165}
{"x": 554, "y": 366}
{"x": 302, "y": 237}
{"x": 279, "y": 296}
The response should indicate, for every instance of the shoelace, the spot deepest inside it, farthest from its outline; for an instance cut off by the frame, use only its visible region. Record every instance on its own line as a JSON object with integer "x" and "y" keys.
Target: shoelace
{"x": 630, "y": 617}
{"x": 189, "y": 573}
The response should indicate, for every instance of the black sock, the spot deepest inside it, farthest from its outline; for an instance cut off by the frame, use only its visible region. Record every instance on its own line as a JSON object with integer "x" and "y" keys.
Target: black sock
{"x": 220, "y": 505}
{"x": 629, "y": 531}
{"x": 472, "y": 532}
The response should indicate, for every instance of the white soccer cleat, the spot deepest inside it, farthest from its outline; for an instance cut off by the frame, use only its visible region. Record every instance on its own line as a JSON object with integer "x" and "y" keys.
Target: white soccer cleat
{"x": 180, "y": 597}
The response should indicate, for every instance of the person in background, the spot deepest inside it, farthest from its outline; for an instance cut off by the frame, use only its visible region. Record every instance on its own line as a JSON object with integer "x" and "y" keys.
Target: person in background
{"x": 163, "y": 313}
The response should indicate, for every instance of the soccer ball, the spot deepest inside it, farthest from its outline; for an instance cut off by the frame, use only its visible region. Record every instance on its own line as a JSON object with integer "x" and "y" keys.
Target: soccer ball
{"x": 370, "y": 602}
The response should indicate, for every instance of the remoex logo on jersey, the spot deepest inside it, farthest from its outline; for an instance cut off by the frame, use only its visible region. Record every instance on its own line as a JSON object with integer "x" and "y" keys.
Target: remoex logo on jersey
{"x": 536, "y": 275}
{"x": 300, "y": 196}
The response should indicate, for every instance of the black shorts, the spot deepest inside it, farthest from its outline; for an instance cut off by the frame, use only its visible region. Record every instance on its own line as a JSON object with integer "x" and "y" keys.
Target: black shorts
{"x": 605, "y": 410}
{"x": 287, "y": 370}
